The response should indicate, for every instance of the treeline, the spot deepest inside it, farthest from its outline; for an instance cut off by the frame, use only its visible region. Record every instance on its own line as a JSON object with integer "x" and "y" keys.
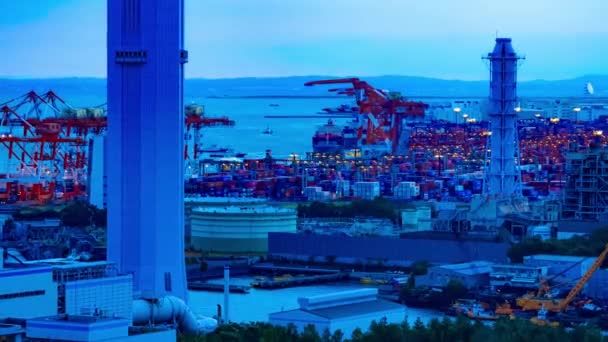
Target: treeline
{"x": 591, "y": 246}
{"x": 445, "y": 330}
{"x": 75, "y": 214}
{"x": 378, "y": 208}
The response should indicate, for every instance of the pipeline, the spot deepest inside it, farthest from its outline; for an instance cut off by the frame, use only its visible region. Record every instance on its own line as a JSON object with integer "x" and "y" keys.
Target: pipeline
{"x": 171, "y": 309}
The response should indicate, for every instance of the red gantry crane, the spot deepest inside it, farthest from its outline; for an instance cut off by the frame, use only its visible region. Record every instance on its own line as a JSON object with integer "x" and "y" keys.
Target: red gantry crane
{"x": 380, "y": 114}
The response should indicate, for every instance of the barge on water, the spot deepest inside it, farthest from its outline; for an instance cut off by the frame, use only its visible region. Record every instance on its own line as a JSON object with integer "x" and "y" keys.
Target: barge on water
{"x": 205, "y": 286}
{"x": 289, "y": 281}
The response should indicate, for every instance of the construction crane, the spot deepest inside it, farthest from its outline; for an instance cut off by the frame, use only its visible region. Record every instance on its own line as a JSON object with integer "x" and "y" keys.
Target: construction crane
{"x": 532, "y": 302}
{"x": 381, "y": 113}
{"x": 195, "y": 122}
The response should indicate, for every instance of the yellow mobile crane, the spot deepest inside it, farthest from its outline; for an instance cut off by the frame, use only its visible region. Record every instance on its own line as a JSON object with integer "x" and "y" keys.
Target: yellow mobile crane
{"x": 533, "y": 302}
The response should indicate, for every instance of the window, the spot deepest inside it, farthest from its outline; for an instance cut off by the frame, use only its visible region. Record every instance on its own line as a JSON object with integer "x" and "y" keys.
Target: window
{"x": 167, "y": 281}
{"x": 22, "y": 294}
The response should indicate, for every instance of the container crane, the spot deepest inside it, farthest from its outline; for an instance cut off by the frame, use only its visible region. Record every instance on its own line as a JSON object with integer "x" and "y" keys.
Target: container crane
{"x": 380, "y": 114}
{"x": 531, "y": 302}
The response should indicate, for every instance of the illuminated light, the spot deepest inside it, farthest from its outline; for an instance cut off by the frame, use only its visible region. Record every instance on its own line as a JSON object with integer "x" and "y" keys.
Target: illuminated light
{"x": 457, "y": 110}
{"x": 598, "y": 132}
{"x": 518, "y": 109}
{"x": 577, "y": 109}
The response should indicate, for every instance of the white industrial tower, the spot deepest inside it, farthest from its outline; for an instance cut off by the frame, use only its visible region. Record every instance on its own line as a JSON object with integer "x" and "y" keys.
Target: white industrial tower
{"x": 502, "y": 175}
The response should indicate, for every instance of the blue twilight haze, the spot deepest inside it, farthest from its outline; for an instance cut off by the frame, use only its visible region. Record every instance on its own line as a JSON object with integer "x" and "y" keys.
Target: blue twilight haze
{"x": 231, "y": 38}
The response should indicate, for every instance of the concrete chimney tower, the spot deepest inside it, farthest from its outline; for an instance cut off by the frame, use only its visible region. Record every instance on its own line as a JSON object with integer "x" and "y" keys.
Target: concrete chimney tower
{"x": 145, "y": 171}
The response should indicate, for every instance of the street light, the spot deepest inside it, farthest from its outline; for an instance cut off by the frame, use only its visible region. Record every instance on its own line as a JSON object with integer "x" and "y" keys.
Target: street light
{"x": 576, "y": 111}
{"x": 456, "y": 111}
{"x": 438, "y": 156}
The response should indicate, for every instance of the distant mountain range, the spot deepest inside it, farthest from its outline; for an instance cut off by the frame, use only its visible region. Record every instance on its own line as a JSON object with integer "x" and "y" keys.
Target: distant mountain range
{"x": 94, "y": 89}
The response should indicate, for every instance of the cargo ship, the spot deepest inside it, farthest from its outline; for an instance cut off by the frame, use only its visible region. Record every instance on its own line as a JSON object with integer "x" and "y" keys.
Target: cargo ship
{"x": 329, "y": 138}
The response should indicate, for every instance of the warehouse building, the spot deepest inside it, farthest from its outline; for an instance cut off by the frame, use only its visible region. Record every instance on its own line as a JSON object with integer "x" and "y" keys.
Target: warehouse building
{"x": 473, "y": 275}
{"x": 344, "y": 311}
{"x": 387, "y": 250}
{"x": 568, "y": 268}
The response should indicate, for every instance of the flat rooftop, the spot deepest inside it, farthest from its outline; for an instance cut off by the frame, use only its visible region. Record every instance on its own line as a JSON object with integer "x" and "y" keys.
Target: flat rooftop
{"x": 215, "y": 200}
{"x": 563, "y": 258}
{"x": 470, "y": 268}
{"x": 372, "y": 307}
{"x": 244, "y": 210}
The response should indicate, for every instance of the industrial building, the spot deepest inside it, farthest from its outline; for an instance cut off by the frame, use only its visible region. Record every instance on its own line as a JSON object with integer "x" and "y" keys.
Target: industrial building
{"x": 597, "y": 286}
{"x": 568, "y": 268}
{"x": 385, "y": 250}
{"x": 570, "y": 228}
{"x": 239, "y": 228}
{"x": 517, "y": 276}
{"x": 65, "y": 300}
{"x": 344, "y": 311}
{"x": 586, "y": 191}
{"x": 27, "y": 292}
{"x": 473, "y": 275}
{"x": 417, "y": 219}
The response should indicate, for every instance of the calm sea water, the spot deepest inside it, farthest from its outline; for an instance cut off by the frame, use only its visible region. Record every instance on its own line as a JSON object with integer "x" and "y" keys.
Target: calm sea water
{"x": 256, "y": 305}
{"x": 293, "y": 135}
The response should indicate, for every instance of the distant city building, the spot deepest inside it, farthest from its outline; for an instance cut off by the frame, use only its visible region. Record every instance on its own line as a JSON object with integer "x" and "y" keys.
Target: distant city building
{"x": 344, "y": 311}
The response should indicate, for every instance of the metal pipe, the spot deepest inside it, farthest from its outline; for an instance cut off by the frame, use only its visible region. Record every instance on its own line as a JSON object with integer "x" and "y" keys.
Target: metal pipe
{"x": 226, "y": 292}
{"x": 171, "y": 309}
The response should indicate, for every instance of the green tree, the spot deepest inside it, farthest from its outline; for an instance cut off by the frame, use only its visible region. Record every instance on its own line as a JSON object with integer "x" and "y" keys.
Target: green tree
{"x": 455, "y": 289}
{"x": 338, "y": 336}
{"x": 100, "y": 217}
{"x": 77, "y": 214}
{"x": 357, "y": 335}
{"x": 310, "y": 334}
{"x": 420, "y": 267}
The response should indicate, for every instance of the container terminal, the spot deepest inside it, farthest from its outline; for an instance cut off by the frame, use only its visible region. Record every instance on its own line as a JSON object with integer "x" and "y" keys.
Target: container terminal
{"x": 467, "y": 166}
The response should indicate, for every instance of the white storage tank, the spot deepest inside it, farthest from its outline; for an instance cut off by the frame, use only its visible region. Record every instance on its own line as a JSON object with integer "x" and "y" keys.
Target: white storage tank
{"x": 239, "y": 229}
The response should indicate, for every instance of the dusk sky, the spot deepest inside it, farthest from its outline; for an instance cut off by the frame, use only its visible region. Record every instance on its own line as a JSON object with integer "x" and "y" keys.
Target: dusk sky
{"x": 233, "y": 38}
